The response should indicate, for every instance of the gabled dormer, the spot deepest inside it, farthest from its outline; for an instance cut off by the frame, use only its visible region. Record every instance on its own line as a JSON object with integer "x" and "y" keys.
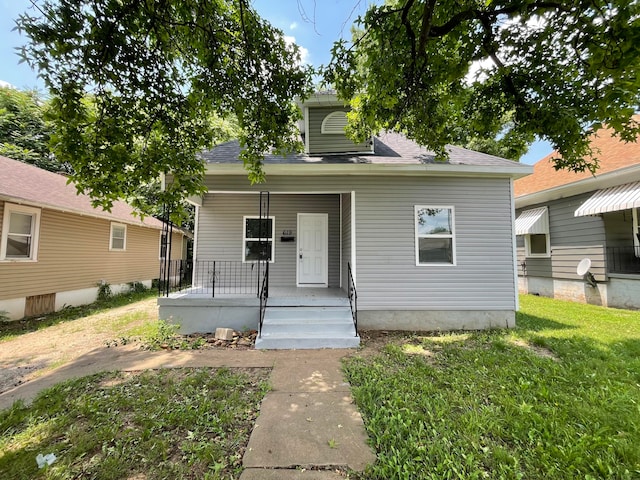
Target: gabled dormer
{"x": 322, "y": 127}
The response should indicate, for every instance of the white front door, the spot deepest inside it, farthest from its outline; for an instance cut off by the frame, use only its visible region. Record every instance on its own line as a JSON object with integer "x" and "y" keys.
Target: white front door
{"x": 313, "y": 239}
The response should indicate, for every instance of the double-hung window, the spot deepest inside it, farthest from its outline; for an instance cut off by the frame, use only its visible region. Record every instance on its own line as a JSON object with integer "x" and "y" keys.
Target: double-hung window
{"x": 257, "y": 239}
{"x": 164, "y": 246}
{"x": 20, "y": 228}
{"x": 118, "y": 237}
{"x": 435, "y": 235}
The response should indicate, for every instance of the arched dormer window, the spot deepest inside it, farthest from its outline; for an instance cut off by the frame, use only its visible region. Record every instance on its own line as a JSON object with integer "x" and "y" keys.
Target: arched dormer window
{"x": 334, "y": 123}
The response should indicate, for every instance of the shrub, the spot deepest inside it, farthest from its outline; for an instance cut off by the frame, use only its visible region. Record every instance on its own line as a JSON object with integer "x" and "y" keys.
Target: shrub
{"x": 104, "y": 291}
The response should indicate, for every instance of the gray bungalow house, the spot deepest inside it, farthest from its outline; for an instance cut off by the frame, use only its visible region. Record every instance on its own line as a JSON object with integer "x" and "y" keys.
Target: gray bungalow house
{"x": 376, "y": 235}
{"x": 564, "y": 218}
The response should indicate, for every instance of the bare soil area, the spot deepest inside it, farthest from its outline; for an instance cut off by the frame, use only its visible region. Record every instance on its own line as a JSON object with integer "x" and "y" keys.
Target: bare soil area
{"x": 29, "y": 355}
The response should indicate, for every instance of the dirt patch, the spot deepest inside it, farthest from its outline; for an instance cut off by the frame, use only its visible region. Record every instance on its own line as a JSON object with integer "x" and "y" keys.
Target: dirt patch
{"x": 372, "y": 342}
{"x": 29, "y": 355}
{"x": 539, "y": 351}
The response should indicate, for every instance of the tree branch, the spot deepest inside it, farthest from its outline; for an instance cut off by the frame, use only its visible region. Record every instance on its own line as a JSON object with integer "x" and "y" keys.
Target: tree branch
{"x": 425, "y": 29}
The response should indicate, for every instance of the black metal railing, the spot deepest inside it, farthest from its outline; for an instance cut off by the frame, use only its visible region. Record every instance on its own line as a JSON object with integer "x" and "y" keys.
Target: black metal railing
{"x": 264, "y": 296}
{"x": 175, "y": 275}
{"x": 212, "y": 277}
{"x": 353, "y": 297}
{"x": 623, "y": 260}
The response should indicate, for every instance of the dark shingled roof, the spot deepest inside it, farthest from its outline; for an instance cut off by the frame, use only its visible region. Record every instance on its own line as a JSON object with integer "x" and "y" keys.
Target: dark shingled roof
{"x": 390, "y": 149}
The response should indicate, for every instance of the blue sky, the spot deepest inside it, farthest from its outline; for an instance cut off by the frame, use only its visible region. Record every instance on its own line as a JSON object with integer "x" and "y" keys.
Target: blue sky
{"x": 314, "y": 25}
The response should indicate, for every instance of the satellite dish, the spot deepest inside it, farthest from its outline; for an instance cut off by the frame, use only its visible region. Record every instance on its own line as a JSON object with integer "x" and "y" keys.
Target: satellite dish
{"x": 583, "y": 271}
{"x": 583, "y": 267}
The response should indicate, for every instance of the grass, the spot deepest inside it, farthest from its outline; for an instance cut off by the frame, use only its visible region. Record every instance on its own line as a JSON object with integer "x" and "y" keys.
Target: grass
{"x": 179, "y": 423}
{"x": 13, "y": 329}
{"x": 556, "y": 398}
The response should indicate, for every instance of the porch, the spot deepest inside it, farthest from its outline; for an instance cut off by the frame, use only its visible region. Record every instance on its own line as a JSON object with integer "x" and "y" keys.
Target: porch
{"x": 237, "y": 295}
{"x": 623, "y": 260}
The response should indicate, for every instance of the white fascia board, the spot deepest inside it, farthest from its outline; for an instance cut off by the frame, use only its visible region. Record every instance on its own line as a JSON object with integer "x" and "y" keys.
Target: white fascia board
{"x": 194, "y": 200}
{"x": 606, "y": 180}
{"x": 82, "y": 213}
{"x": 324, "y": 169}
{"x": 321, "y": 100}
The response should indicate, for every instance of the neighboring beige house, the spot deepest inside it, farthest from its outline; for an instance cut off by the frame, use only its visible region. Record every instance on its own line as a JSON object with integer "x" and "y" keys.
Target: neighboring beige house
{"x": 55, "y": 248}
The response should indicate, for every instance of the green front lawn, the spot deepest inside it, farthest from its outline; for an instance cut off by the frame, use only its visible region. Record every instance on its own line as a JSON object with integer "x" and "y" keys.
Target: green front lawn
{"x": 159, "y": 424}
{"x": 556, "y": 398}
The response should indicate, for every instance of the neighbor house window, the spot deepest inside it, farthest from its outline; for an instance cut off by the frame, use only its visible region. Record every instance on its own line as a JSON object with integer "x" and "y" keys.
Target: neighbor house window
{"x": 164, "y": 246}
{"x": 537, "y": 245}
{"x": 118, "y": 237}
{"x": 20, "y": 227}
{"x": 257, "y": 239}
{"x": 334, "y": 123}
{"x": 533, "y": 225}
{"x": 435, "y": 235}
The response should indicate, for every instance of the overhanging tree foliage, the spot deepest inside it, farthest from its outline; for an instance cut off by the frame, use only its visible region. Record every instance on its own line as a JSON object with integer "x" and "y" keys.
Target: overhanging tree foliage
{"x": 555, "y": 69}
{"x": 157, "y": 72}
{"x": 24, "y": 132}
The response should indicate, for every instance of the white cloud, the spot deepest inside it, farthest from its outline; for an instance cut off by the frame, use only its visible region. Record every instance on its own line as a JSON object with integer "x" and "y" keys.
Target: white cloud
{"x": 293, "y": 26}
{"x": 4, "y": 84}
{"x": 304, "y": 53}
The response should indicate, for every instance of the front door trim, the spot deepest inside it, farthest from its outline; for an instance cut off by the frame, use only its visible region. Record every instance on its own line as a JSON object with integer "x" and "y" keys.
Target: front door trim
{"x": 325, "y": 253}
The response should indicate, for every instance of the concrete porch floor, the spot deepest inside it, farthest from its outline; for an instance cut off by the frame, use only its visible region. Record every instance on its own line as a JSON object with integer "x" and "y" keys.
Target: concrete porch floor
{"x": 274, "y": 292}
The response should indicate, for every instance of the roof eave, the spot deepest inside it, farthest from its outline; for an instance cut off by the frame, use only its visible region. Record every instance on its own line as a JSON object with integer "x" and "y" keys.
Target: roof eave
{"x": 82, "y": 213}
{"x": 514, "y": 171}
{"x": 606, "y": 180}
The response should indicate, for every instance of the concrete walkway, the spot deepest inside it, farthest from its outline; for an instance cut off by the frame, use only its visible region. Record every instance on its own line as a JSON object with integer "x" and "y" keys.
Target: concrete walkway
{"x": 307, "y": 421}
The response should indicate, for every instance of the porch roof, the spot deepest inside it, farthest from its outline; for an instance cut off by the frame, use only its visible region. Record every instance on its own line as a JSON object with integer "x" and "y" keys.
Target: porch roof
{"x": 621, "y": 197}
{"x": 390, "y": 150}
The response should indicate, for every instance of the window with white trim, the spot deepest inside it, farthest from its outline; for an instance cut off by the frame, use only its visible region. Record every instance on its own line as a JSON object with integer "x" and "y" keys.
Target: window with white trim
{"x": 334, "y": 123}
{"x": 537, "y": 245}
{"x": 20, "y": 229}
{"x": 118, "y": 237}
{"x": 164, "y": 245}
{"x": 435, "y": 235}
{"x": 257, "y": 239}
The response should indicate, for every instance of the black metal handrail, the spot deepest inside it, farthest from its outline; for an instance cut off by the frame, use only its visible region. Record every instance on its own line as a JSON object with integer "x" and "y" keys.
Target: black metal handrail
{"x": 353, "y": 297}
{"x": 623, "y": 260}
{"x": 264, "y": 295}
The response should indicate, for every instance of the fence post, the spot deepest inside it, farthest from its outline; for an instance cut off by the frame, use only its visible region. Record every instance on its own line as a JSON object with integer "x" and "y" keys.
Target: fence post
{"x": 213, "y": 280}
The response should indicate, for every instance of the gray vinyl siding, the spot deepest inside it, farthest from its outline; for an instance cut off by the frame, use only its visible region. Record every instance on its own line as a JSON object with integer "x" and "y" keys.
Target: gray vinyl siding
{"x": 330, "y": 143}
{"x": 220, "y": 232}
{"x": 572, "y": 239}
{"x": 387, "y": 275}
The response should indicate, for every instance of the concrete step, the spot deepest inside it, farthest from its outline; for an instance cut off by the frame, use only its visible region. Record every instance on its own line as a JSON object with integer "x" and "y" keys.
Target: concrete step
{"x": 324, "y": 328}
{"x": 307, "y": 327}
{"x": 295, "y": 343}
{"x": 308, "y": 301}
{"x": 298, "y": 315}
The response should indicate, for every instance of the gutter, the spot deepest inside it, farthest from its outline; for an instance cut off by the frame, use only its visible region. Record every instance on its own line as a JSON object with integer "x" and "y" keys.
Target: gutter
{"x": 31, "y": 203}
{"x": 598, "y": 182}
{"x": 517, "y": 170}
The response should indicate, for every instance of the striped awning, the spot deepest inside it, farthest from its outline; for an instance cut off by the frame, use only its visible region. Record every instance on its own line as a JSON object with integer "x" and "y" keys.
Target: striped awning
{"x": 534, "y": 221}
{"x": 622, "y": 197}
